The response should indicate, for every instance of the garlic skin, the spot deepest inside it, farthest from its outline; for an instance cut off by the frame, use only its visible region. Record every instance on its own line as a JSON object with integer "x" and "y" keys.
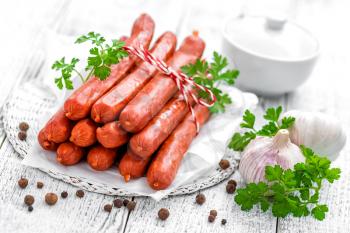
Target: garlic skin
{"x": 319, "y": 131}
{"x": 264, "y": 151}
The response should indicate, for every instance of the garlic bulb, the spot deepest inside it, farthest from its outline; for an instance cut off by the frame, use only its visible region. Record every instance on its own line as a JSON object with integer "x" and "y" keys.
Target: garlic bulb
{"x": 264, "y": 151}
{"x": 321, "y": 132}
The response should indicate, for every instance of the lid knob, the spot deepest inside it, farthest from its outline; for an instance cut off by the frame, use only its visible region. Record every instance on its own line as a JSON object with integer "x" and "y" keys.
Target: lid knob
{"x": 276, "y": 21}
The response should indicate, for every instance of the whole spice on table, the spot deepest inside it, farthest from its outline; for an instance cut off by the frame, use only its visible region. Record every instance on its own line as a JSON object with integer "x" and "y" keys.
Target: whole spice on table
{"x": 118, "y": 203}
{"x": 230, "y": 188}
{"x": 211, "y": 218}
{"x": 80, "y": 193}
{"x": 23, "y": 182}
{"x": 29, "y": 200}
{"x": 64, "y": 194}
{"x": 39, "y": 185}
{"x": 223, "y": 221}
{"x": 108, "y": 207}
{"x": 224, "y": 164}
{"x": 30, "y": 208}
{"x": 23, "y": 126}
{"x": 22, "y": 135}
{"x": 213, "y": 212}
{"x": 125, "y": 202}
{"x": 200, "y": 199}
{"x": 51, "y": 198}
{"x": 131, "y": 205}
{"x": 163, "y": 213}
{"x": 232, "y": 182}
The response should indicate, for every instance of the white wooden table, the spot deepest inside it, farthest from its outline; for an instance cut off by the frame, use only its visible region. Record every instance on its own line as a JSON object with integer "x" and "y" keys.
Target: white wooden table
{"x": 22, "y": 26}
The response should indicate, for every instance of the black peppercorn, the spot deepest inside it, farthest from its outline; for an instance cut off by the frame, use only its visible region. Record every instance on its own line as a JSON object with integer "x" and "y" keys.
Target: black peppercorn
{"x": 230, "y": 188}
{"x": 108, "y": 207}
{"x": 163, "y": 213}
{"x": 22, "y": 135}
{"x": 211, "y": 218}
{"x": 118, "y": 203}
{"x": 200, "y": 198}
{"x": 213, "y": 212}
{"x": 131, "y": 205}
{"x": 39, "y": 185}
{"x": 30, "y": 208}
{"x": 232, "y": 182}
{"x": 29, "y": 200}
{"x": 23, "y": 126}
{"x": 223, "y": 221}
{"x": 125, "y": 202}
{"x": 64, "y": 194}
{"x": 51, "y": 198}
{"x": 23, "y": 182}
{"x": 80, "y": 193}
{"x": 224, "y": 164}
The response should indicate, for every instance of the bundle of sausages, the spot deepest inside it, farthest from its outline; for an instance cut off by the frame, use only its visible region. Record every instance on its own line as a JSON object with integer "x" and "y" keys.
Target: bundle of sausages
{"x": 135, "y": 116}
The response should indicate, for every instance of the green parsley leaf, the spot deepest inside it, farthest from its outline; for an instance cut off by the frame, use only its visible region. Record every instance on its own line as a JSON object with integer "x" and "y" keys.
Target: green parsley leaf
{"x": 248, "y": 120}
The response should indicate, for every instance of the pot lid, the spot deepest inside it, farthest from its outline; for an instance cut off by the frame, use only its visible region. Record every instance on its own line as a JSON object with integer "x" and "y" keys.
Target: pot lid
{"x": 271, "y": 37}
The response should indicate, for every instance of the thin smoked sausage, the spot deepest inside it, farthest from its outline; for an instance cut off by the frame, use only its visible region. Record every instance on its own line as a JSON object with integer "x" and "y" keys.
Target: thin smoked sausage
{"x": 69, "y": 154}
{"x": 109, "y": 106}
{"x": 147, "y": 141}
{"x": 131, "y": 167}
{"x": 100, "y": 158}
{"x": 79, "y": 104}
{"x": 157, "y": 92}
{"x": 166, "y": 163}
{"x": 56, "y": 130}
{"x": 111, "y": 135}
{"x": 84, "y": 133}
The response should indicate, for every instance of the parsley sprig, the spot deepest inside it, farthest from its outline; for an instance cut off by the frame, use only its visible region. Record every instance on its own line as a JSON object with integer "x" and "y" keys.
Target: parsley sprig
{"x": 240, "y": 140}
{"x": 210, "y": 75}
{"x": 292, "y": 191}
{"x": 102, "y": 56}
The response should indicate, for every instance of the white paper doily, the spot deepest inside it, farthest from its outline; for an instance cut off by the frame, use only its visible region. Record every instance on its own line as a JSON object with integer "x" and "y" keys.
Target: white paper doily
{"x": 30, "y": 101}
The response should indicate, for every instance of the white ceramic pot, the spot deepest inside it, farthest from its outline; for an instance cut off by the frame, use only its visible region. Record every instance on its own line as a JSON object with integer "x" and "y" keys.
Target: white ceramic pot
{"x": 273, "y": 55}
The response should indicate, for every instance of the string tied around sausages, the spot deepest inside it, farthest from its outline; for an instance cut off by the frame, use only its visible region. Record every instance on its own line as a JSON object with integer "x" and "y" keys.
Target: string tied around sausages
{"x": 184, "y": 83}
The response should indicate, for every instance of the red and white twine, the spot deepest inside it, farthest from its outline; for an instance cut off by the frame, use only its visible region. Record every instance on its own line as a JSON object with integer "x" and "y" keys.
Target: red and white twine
{"x": 184, "y": 83}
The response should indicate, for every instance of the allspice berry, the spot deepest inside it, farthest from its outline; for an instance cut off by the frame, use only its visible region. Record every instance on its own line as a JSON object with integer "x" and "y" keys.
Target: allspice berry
{"x": 23, "y": 182}
{"x": 223, "y": 221}
{"x": 131, "y": 205}
{"x": 214, "y": 213}
{"x": 230, "y": 188}
{"x": 22, "y": 135}
{"x": 64, "y": 194}
{"x": 30, "y": 208}
{"x": 125, "y": 202}
{"x": 232, "y": 182}
{"x": 200, "y": 198}
{"x": 108, "y": 207}
{"x": 23, "y": 126}
{"x": 80, "y": 193}
{"x": 51, "y": 198}
{"x": 118, "y": 203}
{"x": 211, "y": 218}
{"x": 224, "y": 164}
{"x": 39, "y": 185}
{"x": 163, "y": 213}
{"x": 29, "y": 200}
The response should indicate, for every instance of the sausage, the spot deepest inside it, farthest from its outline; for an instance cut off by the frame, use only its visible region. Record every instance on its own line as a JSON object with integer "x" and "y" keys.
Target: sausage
{"x": 79, "y": 104}
{"x": 157, "y": 92}
{"x": 166, "y": 163}
{"x": 111, "y": 135}
{"x": 100, "y": 158}
{"x": 84, "y": 133}
{"x": 109, "y": 106}
{"x": 147, "y": 141}
{"x": 56, "y": 130}
{"x": 69, "y": 154}
{"x": 132, "y": 167}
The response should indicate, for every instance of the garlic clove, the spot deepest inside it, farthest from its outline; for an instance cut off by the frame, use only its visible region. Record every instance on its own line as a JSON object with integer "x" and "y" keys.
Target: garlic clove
{"x": 321, "y": 132}
{"x": 264, "y": 151}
